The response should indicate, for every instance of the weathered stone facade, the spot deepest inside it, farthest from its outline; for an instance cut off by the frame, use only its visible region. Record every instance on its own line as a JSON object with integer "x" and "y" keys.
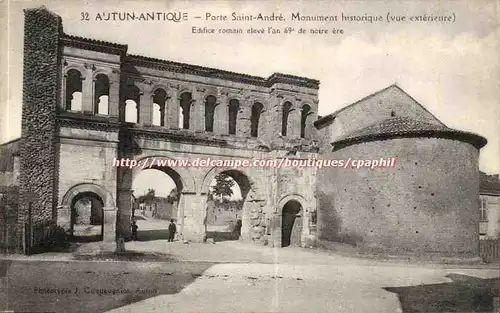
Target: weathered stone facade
{"x": 71, "y": 136}
{"x": 88, "y": 103}
{"x": 425, "y": 205}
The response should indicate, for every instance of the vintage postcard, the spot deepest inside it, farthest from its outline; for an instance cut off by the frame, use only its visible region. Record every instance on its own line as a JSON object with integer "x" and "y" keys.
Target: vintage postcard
{"x": 249, "y": 156}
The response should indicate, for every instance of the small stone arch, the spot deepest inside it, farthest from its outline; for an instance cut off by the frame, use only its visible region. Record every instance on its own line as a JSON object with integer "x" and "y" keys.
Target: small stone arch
{"x": 183, "y": 90}
{"x": 102, "y": 71}
{"x": 288, "y": 232}
{"x": 161, "y": 86}
{"x": 77, "y": 67}
{"x": 234, "y": 96}
{"x": 300, "y": 199}
{"x": 102, "y": 192}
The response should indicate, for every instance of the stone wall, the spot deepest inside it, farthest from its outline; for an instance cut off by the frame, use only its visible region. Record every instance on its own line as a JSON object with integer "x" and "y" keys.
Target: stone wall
{"x": 428, "y": 203}
{"x": 40, "y": 99}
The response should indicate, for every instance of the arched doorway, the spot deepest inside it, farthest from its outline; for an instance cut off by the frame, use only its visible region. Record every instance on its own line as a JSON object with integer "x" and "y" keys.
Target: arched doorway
{"x": 291, "y": 224}
{"x": 157, "y": 193}
{"x": 87, "y": 217}
{"x": 226, "y": 197}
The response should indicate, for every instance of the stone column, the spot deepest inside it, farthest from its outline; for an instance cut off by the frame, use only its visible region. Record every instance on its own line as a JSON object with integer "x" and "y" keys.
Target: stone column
{"x": 114, "y": 95}
{"x": 243, "y": 123}
{"x": 145, "y": 105}
{"x": 124, "y": 214}
{"x": 221, "y": 115}
{"x": 109, "y": 224}
{"x": 274, "y": 118}
{"x": 195, "y": 213}
{"x": 88, "y": 92}
{"x": 197, "y": 117}
{"x": 172, "y": 107}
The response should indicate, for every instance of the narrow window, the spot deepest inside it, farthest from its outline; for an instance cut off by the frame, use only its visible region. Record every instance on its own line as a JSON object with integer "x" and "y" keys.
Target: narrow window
{"x": 234, "y": 106}
{"x": 306, "y": 110}
{"x": 159, "y": 100}
{"x": 185, "y": 108}
{"x": 287, "y": 107}
{"x": 255, "y": 119}
{"x": 74, "y": 90}
{"x": 101, "y": 95}
{"x": 210, "y": 103}
{"x": 132, "y": 104}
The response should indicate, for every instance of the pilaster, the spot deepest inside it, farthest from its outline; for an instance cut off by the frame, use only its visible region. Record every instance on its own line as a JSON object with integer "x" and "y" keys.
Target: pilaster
{"x": 195, "y": 213}
{"x": 114, "y": 94}
{"x": 145, "y": 104}
{"x": 243, "y": 123}
{"x": 197, "y": 117}
{"x": 124, "y": 214}
{"x": 87, "y": 91}
{"x": 221, "y": 115}
{"x": 171, "y": 115}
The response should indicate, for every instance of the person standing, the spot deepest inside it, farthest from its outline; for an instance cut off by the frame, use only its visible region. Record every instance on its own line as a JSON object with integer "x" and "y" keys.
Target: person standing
{"x": 172, "y": 229}
{"x": 134, "y": 231}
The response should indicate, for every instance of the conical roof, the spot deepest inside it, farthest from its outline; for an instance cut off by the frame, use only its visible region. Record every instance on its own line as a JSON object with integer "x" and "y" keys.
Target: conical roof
{"x": 408, "y": 127}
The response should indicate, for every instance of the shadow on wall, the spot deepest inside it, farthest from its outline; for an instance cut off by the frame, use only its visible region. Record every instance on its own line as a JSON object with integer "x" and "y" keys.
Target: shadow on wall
{"x": 329, "y": 223}
{"x": 464, "y": 294}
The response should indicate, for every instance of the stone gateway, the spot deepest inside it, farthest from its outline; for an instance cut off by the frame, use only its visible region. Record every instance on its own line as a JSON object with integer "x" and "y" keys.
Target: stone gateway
{"x": 87, "y": 103}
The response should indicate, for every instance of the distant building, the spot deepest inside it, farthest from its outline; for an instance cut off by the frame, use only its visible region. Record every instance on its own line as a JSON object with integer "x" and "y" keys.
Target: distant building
{"x": 489, "y": 208}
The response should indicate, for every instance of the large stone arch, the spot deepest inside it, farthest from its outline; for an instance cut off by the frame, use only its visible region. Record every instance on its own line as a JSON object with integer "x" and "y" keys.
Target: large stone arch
{"x": 183, "y": 174}
{"x": 182, "y": 177}
{"x": 214, "y": 171}
{"x": 253, "y": 221}
{"x": 109, "y": 218}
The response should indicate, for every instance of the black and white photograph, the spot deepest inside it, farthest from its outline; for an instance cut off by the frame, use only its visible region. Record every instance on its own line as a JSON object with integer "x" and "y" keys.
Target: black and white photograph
{"x": 249, "y": 156}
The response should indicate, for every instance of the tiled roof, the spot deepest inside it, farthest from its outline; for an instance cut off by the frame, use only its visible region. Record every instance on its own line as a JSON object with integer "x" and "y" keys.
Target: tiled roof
{"x": 92, "y": 44}
{"x": 178, "y": 67}
{"x": 330, "y": 117}
{"x": 406, "y": 126}
{"x": 165, "y": 65}
{"x": 489, "y": 184}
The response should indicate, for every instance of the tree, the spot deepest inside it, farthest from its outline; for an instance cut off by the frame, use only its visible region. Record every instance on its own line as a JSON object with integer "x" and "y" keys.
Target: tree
{"x": 173, "y": 196}
{"x": 223, "y": 186}
{"x": 148, "y": 197}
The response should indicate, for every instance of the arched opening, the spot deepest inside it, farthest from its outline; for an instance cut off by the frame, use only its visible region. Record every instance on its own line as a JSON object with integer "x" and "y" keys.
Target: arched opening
{"x": 157, "y": 194}
{"x": 132, "y": 103}
{"x": 255, "y": 119}
{"x": 306, "y": 110}
{"x": 101, "y": 95}
{"x": 225, "y": 200}
{"x": 291, "y": 224}
{"x": 74, "y": 90}
{"x": 287, "y": 107}
{"x": 87, "y": 217}
{"x": 184, "y": 109}
{"x": 210, "y": 103}
{"x": 159, "y": 100}
{"x": 234, "y": 107}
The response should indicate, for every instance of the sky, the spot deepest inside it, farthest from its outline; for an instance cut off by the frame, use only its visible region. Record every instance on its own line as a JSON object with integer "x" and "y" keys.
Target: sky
{"x": 451, "y": 68}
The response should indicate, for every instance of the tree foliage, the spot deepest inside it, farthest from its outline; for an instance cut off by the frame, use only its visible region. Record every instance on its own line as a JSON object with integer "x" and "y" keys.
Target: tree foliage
{"x": 147, "y": 198}
{"x": 223, "y": 186}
